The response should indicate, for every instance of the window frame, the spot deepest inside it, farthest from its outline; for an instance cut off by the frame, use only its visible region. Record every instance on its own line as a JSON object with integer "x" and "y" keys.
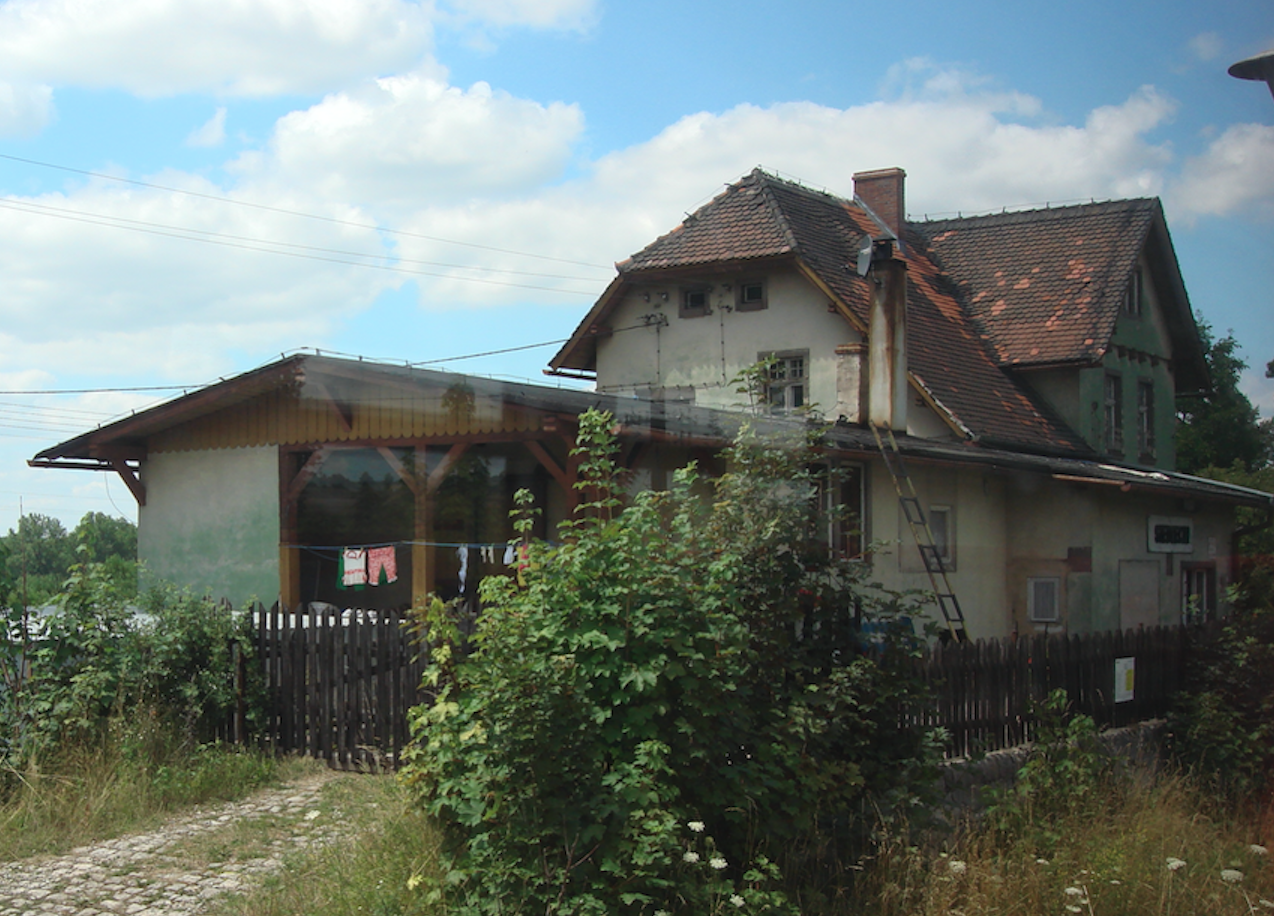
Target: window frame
{"x": 685, "y": 310}
{"x": 756, "y": 305}
{"x": 1113, "y": 413}
{"x": 786, "y": 383}
{"x": 843, "y": 532}
{"x": 1032, "y": 613}
{"x": 947, "y": 550}
{"x": 1134, "y": 295}
{"x": 1146, "y": 418}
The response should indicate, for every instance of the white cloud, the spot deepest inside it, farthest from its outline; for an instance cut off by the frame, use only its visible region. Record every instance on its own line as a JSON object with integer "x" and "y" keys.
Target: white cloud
{"x": 1234, "y": 175}
{"x": 24, "y": 109}
{"x": 212, "y": 133}
{"x": 544, "y": 14}
{"x": 1206, "y": 46}
{"x": 237, "y": 47}
{"x": 410, "y": 142}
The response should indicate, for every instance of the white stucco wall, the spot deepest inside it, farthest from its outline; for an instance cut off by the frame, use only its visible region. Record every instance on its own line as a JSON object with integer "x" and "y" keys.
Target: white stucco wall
{"x": 211, "y": 522}
{"x": 707, "y": 352}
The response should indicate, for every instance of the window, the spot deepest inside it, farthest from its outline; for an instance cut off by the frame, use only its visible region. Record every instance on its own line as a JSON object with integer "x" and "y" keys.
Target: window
{"x": 1043, "y": 604}
{"x": 941, "y": 526}
{"x": 751, "y": 296}
{"x": 694, "y": 302}
{"x": 1146, "y": 418}
{"x": 1114, "y": 413}
{"x": 785, "y": 389}
{"x": 1133, "y": 295}
{"x": 840, "y": 495}
{"x": 1198, "y": 592}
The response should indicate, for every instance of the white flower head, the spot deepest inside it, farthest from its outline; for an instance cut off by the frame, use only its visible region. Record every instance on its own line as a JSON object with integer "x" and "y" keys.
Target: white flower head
{"x": 311, "y": 815}
{"x": 717, "y": 862}
{"x": 737, "y": 901}
{"x": 690, "y": 856}
{"x": 1231, "y": 875}
{"x": 957, "y": 867}
{"x": 1258, "y": 850}
{"x": 1175, "y": 864}
{"x": 696, "y": 826}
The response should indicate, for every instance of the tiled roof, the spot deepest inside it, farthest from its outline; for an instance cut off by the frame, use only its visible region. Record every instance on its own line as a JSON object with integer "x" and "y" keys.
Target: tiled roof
{"x": 986, "y": 294}
{"x": 1043, "y": 287}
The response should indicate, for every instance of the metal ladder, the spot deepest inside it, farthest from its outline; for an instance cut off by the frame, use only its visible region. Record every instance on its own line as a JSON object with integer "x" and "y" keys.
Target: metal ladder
{"x": 929, "y": 555}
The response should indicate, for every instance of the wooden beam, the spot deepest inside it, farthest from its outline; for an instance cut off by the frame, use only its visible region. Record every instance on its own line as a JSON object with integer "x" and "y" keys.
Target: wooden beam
{"x": 405, "y": 475}
{"x": 543, "y": 457}
{"x": 306, "y": 474}
{"x": 130, "y": 478}
{"x": 444, "y": 467}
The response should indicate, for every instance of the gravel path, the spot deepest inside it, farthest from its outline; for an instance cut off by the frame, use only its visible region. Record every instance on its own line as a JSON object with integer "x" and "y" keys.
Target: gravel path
{"x": 179, "y": 868}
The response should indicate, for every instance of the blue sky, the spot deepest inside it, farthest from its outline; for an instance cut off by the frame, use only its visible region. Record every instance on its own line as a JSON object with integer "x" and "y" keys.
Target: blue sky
{"x": 424, "y": 181}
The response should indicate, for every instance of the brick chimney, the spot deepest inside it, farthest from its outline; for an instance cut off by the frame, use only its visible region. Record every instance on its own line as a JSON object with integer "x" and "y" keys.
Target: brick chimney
{"x": 882, "y": 191}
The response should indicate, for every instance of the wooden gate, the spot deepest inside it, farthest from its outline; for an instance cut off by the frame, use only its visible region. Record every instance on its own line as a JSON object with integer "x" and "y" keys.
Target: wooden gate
{"x": 339, "y": 683}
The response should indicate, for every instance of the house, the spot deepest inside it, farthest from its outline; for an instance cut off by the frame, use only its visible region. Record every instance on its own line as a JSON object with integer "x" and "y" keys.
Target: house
{"x": 1060, "y": 335}
{"x": 1022, "y": 368}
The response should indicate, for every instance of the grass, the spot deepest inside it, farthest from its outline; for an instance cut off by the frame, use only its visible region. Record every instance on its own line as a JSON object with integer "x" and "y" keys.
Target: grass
{"x": 127, "y": 780}
{"x": 380, "y": 841}
{"x": 1117, "y": 855}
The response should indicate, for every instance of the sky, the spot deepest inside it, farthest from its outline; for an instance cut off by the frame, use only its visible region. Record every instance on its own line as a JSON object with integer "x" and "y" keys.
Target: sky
{"x": 191, "y": 188}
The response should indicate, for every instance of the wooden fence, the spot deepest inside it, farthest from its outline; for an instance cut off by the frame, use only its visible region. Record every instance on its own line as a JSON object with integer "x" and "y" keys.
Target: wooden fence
{"x": 338, "y": 684}
{"x": 985, "y": 690}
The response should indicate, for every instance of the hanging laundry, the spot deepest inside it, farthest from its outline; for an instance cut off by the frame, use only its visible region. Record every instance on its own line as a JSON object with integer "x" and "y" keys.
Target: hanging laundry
{"x": 382, "y": 566}
{"x": 353, "y": 568}
{"x": 509, "y": 555}
{"x": 462, "y": 554}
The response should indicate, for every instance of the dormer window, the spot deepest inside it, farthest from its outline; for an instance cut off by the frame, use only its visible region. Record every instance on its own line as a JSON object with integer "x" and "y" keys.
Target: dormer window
{"x": 1133, "y": 295}
{"x": 694, "y": 302}
{"x": 751, "y": 297}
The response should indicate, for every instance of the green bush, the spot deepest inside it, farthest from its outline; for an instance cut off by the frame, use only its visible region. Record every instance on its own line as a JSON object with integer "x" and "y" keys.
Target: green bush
{"x": 100, "y": 654}
{"x": 670, "y": 700}
{"x": 1222, "y": 728}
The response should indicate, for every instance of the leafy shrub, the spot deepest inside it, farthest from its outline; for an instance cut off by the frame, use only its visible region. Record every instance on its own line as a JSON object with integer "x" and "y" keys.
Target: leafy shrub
{"x": 1223, "y": 726}
{"x": 683, "y": 669}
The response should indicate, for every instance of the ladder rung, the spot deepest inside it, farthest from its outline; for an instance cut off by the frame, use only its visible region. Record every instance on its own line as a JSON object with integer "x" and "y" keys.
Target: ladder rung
{"x": 911, "y": 507}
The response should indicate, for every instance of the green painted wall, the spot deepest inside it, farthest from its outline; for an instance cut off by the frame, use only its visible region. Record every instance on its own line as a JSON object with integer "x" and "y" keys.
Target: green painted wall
{"x": 211, "y": 522}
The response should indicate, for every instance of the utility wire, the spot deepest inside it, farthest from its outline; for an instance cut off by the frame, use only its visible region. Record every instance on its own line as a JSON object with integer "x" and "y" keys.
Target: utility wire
{"x": 326, "y": 219}
{"x": 228, "y": 242}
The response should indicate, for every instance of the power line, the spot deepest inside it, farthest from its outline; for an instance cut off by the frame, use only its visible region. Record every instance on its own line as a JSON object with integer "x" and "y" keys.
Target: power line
{"x": 227, "y": 242}
{"x": 326, "y": 219}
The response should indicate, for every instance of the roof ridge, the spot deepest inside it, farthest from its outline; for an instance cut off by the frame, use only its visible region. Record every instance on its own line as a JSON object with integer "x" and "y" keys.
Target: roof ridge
{"x": 785, "y": 225}
{"x": 1047, "y": 212}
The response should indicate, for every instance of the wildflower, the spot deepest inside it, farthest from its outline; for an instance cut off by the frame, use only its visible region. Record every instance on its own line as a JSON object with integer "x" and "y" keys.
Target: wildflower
{"x": 737, "y": 901}
{"x": 957, "y": 867}
{"x": 717, "y": 862}
{"x": 696, "y": 826}
{"x": 413, "y": 882}
{"x": 311, "y": 815}
{"x": 1257, "y": 850}
{"x": 690, "y": 856}
{"x": 1073, "y": 892}
{"x": 1231, "y": 875}
{"x": 1175, "y": 864}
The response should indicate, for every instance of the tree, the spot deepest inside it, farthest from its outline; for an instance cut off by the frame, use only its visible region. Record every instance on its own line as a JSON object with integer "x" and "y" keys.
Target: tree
{"x": 1222, "y": 429}
{"x": 103, "y": 536}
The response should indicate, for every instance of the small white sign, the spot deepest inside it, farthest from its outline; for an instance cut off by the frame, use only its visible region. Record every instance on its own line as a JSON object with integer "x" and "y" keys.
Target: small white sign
{"x": 1169, "y": 535}
{"x": 1125, "y": 678}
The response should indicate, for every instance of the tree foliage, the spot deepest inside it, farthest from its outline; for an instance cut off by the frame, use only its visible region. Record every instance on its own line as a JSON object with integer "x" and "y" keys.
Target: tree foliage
{"x": 667, "y": 703}
{"x": 38, "y": 555}
{"x": 1222, "y": 429}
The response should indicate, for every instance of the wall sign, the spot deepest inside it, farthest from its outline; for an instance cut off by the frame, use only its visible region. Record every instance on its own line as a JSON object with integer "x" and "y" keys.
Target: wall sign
{"x": 1169, "y": 535}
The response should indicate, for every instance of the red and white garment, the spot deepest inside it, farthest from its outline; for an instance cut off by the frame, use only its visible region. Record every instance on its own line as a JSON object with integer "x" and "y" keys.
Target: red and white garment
{"x": 382, "y": 561}
{"x": 353, "y": 566}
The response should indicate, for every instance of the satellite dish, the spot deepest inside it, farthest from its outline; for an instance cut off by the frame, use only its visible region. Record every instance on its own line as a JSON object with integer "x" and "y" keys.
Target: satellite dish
{"x": 864, "y": 257}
